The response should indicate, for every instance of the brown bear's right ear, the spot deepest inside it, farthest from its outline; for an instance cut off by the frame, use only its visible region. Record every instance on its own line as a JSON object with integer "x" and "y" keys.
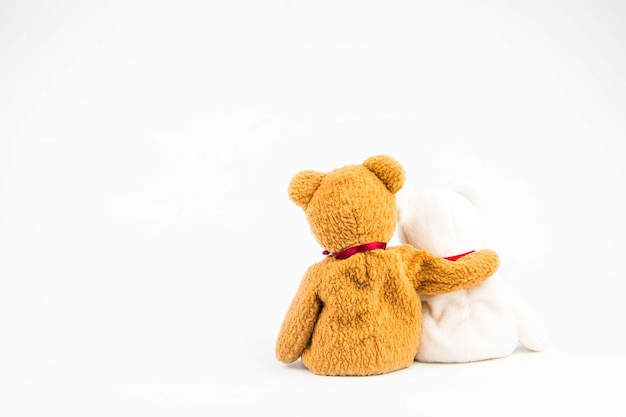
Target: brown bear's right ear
{"x": 388, "y": 170}
{"x": 303, "y": 185}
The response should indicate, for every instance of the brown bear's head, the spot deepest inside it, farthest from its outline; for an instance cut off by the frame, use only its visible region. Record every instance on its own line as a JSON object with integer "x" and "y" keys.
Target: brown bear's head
{"x": 352, "y": 205}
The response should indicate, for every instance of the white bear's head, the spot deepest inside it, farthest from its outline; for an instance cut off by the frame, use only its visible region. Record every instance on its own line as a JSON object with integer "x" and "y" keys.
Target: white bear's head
{"x": 441, "y": 220}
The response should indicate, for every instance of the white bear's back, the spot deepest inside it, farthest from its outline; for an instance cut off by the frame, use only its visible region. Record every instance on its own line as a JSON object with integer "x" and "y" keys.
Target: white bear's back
{"x": 482, "y": 322}
{"x": 467, "y": 325}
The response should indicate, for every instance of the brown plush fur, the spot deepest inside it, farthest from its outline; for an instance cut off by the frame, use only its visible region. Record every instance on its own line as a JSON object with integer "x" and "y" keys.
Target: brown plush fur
{"x": 362, "y": 315}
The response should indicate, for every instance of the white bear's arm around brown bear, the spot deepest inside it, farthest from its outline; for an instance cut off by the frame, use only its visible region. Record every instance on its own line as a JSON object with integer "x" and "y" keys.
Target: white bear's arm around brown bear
{"x": 299, "y": 322}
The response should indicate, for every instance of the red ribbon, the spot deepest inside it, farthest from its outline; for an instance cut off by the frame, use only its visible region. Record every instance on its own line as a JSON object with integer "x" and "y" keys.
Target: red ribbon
{"x": 455, "y": 257}
{"x": 346, "y": 253}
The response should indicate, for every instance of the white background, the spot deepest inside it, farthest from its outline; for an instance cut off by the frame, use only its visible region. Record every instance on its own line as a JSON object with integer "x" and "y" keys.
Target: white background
{"x": 149, "y": 251}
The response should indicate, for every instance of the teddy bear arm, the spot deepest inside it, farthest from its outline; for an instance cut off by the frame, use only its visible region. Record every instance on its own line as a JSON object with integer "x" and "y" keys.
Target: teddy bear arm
{"x": 439, "y": 276}
{"x": 297, "y": 327}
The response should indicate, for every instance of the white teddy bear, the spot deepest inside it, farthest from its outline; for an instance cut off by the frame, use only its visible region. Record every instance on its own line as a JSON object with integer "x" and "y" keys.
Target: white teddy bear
{"x": 487, "y": 321}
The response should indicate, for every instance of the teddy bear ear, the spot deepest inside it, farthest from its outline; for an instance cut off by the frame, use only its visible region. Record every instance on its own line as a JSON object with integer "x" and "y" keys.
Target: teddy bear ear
{"x": 388, "y": 170}
{"x": 466, "y": 188}
{"x": 303, "y": 185}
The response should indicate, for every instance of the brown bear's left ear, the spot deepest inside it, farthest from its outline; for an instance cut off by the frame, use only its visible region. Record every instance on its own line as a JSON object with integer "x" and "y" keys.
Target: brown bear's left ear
{"x": 388, "y": 170}
{"x": 303, "y": 185}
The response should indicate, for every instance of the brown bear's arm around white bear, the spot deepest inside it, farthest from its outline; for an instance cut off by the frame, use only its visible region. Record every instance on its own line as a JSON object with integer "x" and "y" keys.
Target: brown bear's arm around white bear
{"x": 434, "y": 275}
{"x": 297, "y": 328}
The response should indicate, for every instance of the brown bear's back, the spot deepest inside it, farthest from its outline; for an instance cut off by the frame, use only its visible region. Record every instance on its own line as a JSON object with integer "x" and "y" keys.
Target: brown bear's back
{"x": 370, "y": 317}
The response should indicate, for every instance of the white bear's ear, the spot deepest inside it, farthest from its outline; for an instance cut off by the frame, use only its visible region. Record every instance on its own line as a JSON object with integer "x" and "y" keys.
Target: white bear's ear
{"x": 467, "y": 188}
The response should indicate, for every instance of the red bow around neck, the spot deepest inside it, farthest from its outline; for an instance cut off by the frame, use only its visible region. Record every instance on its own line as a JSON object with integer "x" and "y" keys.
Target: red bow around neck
{"x": 346, "y": 253}
{"x": 455, "y": 257}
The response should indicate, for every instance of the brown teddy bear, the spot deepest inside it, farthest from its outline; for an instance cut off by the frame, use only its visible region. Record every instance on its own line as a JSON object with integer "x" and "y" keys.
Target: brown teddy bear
{"x": 357, "y": 312}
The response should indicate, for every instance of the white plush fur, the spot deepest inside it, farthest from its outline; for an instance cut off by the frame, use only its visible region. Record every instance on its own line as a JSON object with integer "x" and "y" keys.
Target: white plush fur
{"x": 487, "y": 321}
